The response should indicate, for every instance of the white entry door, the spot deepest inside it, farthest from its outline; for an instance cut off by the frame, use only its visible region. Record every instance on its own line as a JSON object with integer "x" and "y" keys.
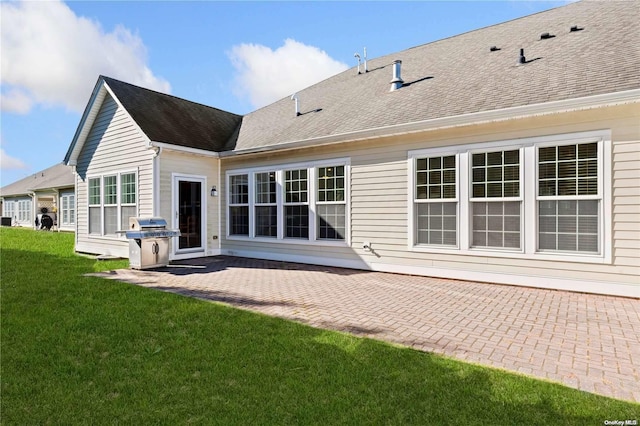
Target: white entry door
{"x": 189, "y": 216}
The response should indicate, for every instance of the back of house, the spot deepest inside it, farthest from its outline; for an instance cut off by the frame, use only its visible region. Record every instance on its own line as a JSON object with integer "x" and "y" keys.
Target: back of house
{"x": 509, "y": 154}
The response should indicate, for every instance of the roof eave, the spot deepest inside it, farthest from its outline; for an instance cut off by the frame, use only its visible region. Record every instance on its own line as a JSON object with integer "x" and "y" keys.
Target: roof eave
{"x": 483, "y": 117}
{"x": 86, "y": 123}
{"x": 88, "y": 117}
{"x": 184, "y": 149}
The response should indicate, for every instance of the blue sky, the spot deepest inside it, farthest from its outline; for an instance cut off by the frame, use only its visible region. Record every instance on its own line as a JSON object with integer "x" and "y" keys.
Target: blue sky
{"x": 237, "y": 56}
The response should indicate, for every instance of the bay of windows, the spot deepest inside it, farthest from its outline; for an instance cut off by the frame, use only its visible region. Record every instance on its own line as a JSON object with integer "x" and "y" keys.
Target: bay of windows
{"x": 472, "y": 199}
{"x": 112, "y": 201}
{"x": 296, "y": 203}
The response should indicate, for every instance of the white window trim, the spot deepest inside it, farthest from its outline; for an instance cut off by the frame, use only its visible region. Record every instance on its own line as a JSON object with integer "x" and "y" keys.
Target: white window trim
{"x": 520, "y": 198}
{"x": 282, "y": 206}
{"x": 311, "y": 167}
{"x": 70, "y": 207}
{"x": 118, "y": 205}
{"x": 413, "y": 200}
{"x": 528, "y": 194}
{"x": 9, "y": 209}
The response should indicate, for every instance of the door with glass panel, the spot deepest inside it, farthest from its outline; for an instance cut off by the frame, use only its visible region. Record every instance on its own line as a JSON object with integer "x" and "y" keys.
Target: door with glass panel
{"x": 189, "y": 206}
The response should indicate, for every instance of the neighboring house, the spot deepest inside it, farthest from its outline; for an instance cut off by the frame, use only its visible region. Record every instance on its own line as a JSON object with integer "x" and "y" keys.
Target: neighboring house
{"x": 49, "y": 192}
{"x": 474, "y": 163}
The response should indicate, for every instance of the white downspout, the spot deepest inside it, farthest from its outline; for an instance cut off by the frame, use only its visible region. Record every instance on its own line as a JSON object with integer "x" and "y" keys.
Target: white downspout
{"x": 34, "y": 199}
{"x": 220, "y": 191}
{"x": 156, "y": 180}
{"x": 57, "y": 207}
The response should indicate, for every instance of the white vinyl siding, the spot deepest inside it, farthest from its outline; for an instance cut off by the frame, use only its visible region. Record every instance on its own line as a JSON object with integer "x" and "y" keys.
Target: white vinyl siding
{"x": 113, "y": 146}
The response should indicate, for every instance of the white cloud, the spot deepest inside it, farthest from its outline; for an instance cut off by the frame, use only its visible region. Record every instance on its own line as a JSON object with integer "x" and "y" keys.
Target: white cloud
{"x": 15, "y": 100}
{"x": 10, "y": 163}
{"x": 52, "y": 57}
{"x": 266, "y": 75}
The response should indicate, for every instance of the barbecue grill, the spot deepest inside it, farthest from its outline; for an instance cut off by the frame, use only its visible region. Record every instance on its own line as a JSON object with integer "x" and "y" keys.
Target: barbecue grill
{"x": 149, "y": 242}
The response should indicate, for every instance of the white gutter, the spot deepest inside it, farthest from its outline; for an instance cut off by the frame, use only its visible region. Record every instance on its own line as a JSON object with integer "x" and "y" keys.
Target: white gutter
{"x": 554, "y": 107}
{"x": 184, "y": 149}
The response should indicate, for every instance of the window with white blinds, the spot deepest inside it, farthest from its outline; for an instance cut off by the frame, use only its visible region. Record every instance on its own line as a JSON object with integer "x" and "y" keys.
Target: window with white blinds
{"x": 495, "y": 199}
{"x": 568, "y": 198}
{"x": 539, "y": 197}
{"x": 436, "y": 201}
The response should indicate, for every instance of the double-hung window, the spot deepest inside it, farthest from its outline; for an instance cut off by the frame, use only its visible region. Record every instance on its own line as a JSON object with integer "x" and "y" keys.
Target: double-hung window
{"x": 295, "y": 202}
{"x": 68, "y": 209}
{"x": 495, "y": 199}
{"x": 112, "y": 200}
{"x": 95, "y": 208}
{"x": 9, "y": 208}
{"x": 266, "y": 208}
{"x": 239, "y": 205}
{"x": 24, "y": 210}
{"x": 331, "y": 204}
{"x": 110, "y": 203}
{"x": 537, "y": 198}
{"x": 569, "y": 198}
{"x": 128, "y": 203}
{"x": 436, "y": 201}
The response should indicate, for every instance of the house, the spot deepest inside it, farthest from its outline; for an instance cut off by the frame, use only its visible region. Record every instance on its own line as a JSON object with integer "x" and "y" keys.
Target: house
{"x": 509, "y": 154}
{"x": 49, "y": 192}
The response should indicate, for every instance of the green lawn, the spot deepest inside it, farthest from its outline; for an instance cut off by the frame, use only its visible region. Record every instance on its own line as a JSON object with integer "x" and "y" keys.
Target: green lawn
{"x": 83, "y": 350}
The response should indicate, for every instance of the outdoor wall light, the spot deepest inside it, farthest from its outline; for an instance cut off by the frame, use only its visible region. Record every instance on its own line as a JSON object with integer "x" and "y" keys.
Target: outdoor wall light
{"x": 214, "y": 191}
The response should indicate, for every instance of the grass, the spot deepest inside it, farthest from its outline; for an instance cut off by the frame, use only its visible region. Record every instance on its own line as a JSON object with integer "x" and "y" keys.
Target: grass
{"x": 80, "y": 350}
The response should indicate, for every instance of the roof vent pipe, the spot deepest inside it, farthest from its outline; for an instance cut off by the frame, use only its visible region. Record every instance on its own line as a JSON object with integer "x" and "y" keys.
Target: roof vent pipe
{"x": 295, "y": 98}
{"x": 397, "y": 81}
{"x": 523, "y": 60}
{"x": 366, "y": 68}
{"x": 357, "y": 55}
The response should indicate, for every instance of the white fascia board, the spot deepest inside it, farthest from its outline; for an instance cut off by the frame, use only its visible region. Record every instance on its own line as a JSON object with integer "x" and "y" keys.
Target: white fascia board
{"x": 184, "y": 149}
{"x": 86, "y": 122}
{"x": 483, "y": 117}
{"x": 88, "y": 118}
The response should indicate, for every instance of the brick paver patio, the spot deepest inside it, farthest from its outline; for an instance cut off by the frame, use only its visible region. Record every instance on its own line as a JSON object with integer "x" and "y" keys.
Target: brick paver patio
{"x": 588, "y": 342}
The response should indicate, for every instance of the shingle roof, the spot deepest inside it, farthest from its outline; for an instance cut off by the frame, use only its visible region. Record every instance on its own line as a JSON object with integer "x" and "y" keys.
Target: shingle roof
{"x": 460, "y": 75}
{"x": 58, "y": 176}
{"x": 176, "y": 121}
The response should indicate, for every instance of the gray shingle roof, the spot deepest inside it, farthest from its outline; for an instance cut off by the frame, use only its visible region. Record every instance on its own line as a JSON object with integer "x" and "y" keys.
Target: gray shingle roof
{"x": 460, "y": 75}
{"x": 58, "y": 176}
{"x": 176, "y": 121}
